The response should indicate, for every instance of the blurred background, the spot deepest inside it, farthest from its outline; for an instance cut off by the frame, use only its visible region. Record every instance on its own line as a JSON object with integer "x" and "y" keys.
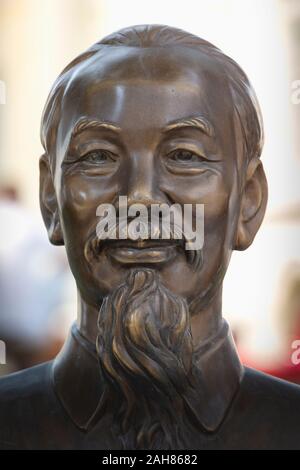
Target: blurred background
{"x": 262, "y": 287}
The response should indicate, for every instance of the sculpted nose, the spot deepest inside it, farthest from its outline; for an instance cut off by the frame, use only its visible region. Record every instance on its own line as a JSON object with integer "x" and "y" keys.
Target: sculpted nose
{"x": 143, "y": 182}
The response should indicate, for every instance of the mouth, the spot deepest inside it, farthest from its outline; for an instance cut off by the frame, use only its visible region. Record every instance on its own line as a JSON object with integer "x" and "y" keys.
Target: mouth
{"x": 141, "y": 251}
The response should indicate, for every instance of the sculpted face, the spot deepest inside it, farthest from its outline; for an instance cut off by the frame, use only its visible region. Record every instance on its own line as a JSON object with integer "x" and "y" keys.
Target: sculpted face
{"x": 140, "y": 93}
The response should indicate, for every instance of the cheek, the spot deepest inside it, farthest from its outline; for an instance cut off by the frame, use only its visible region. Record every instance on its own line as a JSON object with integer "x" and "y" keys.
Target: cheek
{"x": 78, "y": 200}
{"x": 210, "y": 189}
{"x": 81, "y": 195}
{"x": 217, "y": 218}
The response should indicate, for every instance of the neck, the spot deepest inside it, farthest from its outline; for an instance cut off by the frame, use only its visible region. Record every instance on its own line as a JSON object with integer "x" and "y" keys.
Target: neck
{"x": 204, "y": 323}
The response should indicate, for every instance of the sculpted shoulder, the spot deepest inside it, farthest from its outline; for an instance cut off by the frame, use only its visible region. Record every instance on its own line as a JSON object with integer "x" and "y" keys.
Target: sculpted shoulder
{"x": 266, "y": 412}
{"x": 25, "y": 383}
{"x": 263, "y": 386}
{"x": 24, "y": 397}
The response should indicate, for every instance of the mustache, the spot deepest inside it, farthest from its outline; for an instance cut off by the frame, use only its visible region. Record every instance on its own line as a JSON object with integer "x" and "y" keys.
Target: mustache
{"x": 156, "y": 230}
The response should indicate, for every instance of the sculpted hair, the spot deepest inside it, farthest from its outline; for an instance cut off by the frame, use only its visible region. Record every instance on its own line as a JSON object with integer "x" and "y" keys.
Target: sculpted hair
{"x": 244, "y": 99}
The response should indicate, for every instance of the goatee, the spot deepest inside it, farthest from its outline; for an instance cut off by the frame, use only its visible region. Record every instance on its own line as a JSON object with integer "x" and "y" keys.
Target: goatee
{"x": 145, "y": 353}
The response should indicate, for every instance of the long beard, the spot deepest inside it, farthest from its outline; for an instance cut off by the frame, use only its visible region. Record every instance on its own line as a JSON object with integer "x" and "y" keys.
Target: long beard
{"x": 146, "y": 358}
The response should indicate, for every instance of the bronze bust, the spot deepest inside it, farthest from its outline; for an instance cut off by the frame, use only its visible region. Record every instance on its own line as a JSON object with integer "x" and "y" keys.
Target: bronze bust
{"x": 161, "y": 116}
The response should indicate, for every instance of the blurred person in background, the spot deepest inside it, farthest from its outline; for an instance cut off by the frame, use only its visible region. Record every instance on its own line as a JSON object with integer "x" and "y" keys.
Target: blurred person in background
{"x": 34, "y": 287}
{"x": 288, "y": 314}
{"x": 285, "y": 363}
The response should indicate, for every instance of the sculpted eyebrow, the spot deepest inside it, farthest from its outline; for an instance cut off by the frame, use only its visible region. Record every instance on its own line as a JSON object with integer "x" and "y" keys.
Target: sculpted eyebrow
{"x": 86, "y": 123}
{"x": 197, "y": 122}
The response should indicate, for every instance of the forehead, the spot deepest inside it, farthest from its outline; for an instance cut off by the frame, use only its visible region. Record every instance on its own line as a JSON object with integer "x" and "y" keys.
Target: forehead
{"x": 145, "y": 88}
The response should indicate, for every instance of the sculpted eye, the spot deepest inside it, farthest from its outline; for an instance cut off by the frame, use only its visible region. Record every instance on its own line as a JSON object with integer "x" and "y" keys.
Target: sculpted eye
{"x": 185, "y": 156}
{"x": 99, "y": 157}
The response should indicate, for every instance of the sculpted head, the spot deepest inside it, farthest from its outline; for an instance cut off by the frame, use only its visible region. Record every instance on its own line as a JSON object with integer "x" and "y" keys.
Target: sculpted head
{"x": 160, "y": 116}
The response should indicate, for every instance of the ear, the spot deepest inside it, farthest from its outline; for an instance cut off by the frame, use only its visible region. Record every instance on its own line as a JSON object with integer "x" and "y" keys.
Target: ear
{"x": 253, "y": 205}
{"x": 48, "y": 203}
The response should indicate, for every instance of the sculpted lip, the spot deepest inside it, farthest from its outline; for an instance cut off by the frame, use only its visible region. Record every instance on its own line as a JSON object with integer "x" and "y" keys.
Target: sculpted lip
{"x": 142, "y": 251}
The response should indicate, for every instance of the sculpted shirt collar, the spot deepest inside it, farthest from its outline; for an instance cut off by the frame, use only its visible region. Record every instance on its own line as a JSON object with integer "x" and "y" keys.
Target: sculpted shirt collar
{"x": 77, "y": 379}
